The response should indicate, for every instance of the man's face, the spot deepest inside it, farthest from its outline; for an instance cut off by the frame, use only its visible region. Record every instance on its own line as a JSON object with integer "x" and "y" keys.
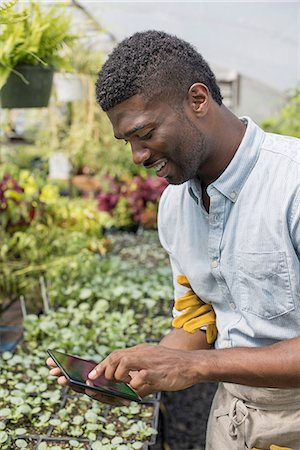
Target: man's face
{"x": 160, "y": 137}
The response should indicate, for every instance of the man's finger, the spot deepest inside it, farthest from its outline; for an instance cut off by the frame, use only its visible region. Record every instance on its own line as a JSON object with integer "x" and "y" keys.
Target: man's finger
{"x": 146, "y": 382}
{"x": 50, "y": 362}
{"x": 56, "y": 372}
{"x": 109, "y": 365}
{"x": 124, "y": 369}
{"x": 62, "y": 381}
{"x": 97, "y": 371}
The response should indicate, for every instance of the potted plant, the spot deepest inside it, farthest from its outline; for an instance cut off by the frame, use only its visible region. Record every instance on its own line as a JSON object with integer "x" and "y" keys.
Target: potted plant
{"x": 72, "y": 86}
{"x": 30, "y": 51}
{"x": 68, "y": 87}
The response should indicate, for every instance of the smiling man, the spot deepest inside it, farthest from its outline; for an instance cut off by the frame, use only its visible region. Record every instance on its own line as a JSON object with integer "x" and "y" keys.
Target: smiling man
{"x": 230, "y": 221}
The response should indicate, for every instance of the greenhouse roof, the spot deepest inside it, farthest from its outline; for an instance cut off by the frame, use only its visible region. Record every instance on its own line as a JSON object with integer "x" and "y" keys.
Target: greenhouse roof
{"x": 258, "y": 39}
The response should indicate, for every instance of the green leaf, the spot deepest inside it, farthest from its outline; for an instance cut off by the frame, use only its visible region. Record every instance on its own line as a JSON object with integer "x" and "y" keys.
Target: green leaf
{"x": 137, "y": 445}
{"x": 3, "y": 437}
{"x": 91, "y": 417}
{"x": 97, "y": 445}
{"x": 117, "y": 440}
{"x": 24, "y": 409}
{"x": 20, "y": 431}
{"x": 16, "y": 401}
{"x": 5, "y": 412}
{"x": 54, "y": 422}
{"x": 85, "y": 293}
{"x": 43, "y": 446}
{"x": 21, "y": 443}
{"x": 6, "y": 355}
{"x": 77, "y": 420}
{"x": 92, "y": 426}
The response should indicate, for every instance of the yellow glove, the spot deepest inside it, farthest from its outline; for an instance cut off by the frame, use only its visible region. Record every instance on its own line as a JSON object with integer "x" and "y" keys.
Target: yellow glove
{"x": 274, "y": 447}
{"x": 197, "y": 314}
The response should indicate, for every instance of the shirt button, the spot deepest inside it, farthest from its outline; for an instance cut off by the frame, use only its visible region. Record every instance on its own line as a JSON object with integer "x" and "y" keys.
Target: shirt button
{"x": 214, "y": 264}
{"x": 225, "y": 344}
{"x": 232, "y": 306}
{"x": 233, "y": 195}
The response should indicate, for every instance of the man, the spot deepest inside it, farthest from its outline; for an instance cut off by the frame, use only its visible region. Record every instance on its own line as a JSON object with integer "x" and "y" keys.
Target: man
{"x": 230, "y": 221}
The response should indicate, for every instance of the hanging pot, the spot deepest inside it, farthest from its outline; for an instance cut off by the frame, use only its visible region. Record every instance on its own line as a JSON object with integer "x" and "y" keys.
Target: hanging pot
{"x": 17, "y": 94}
{"x": 68, "y": 87}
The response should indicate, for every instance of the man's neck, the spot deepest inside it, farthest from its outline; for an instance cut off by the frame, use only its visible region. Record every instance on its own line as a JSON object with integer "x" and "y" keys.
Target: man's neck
{"x": 224, "y": 140}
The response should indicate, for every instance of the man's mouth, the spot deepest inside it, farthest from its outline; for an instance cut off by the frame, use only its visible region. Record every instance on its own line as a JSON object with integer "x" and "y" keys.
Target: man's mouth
{"x": 160, "y": 166}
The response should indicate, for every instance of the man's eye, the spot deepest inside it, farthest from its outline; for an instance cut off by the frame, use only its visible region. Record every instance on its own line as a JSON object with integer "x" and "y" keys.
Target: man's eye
{"x": 147, "y": 136}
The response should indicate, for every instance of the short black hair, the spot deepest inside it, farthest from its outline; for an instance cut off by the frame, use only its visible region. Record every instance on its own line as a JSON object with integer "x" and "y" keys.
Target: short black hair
{"x": 153, "y": 63}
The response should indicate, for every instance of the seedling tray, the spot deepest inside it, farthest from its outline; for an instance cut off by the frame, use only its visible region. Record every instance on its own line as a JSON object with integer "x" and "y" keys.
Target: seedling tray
{"x": 49, "y": 437}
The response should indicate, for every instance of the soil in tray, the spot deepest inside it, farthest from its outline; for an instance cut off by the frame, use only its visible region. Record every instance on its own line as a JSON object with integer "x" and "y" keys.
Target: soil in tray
{"x": 33, "y": 430}
{"x": 28, "y": 429}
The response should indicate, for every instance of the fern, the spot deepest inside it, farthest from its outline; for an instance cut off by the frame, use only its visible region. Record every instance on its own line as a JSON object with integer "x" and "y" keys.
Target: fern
{"x": 7, "y": 5}
{"x": 38, "y": 39}
{"x": 9, "y": 16}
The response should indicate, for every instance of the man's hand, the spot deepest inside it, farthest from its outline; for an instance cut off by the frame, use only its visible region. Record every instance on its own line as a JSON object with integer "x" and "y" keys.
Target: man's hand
{"x": 158, "y": 368}
{"x": 62, "y": 380}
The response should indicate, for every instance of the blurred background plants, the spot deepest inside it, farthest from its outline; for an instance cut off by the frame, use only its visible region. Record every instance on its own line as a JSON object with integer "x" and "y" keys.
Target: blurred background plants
{"x": 288, "y": 120}
{"x": 132, "y": 200}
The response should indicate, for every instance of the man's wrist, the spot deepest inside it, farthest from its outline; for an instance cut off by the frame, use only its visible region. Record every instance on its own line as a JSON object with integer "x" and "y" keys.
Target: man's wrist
{"x": 202, "y": 366}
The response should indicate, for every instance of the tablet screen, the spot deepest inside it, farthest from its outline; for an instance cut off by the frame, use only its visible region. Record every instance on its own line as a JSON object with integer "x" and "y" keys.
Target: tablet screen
{"x": 78, "y": 369}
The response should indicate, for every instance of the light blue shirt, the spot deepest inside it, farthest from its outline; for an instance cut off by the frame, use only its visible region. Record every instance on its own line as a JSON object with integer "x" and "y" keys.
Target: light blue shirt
{"x": 244, "y": 256}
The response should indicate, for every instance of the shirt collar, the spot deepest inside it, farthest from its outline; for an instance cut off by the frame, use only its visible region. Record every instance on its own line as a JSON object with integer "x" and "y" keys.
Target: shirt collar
{"x": 231, "y": 181}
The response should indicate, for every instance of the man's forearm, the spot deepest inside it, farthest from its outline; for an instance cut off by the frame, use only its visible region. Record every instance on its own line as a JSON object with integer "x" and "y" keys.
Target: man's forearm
{"x": 179, "y": 339}
{"x": 165, "y": 368}
{"x": 277, "y": 365}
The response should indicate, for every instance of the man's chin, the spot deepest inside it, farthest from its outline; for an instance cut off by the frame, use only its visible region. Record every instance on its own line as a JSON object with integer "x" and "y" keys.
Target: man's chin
{"x": 176, "y": 181}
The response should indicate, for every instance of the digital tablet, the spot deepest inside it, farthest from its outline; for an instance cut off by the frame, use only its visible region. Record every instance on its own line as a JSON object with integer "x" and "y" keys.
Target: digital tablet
{"x": 76, "y": 371}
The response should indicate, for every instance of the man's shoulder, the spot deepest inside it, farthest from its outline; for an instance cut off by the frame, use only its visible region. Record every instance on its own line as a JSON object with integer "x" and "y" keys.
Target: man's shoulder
{"x": 173, "y": 195}
{"x": 172, "y": 202}
{"x": 283, "y": 146}
{"x": 173, "y": 207}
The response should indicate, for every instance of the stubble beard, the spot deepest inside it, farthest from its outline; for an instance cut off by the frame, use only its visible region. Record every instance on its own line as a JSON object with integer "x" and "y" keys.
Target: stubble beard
{"x": 192, "y": 162}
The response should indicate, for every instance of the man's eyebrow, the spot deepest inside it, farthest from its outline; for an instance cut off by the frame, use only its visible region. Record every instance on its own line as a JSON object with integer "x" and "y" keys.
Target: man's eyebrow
{"x": 134, "y": 130}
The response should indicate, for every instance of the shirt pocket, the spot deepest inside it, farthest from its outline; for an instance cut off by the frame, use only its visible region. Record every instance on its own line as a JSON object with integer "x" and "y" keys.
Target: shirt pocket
{"x": 264, "y": 284}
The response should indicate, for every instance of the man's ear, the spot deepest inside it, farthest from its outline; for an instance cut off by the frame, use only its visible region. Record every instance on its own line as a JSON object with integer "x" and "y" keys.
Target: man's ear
{"x": 198, "y": 98}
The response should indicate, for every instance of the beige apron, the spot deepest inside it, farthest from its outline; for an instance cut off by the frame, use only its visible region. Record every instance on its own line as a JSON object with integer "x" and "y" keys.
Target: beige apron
{"x": 243, "y": 417}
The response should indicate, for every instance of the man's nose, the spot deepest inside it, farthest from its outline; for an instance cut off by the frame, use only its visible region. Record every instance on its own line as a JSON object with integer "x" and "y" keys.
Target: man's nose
{"x": 140, "y": 153}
